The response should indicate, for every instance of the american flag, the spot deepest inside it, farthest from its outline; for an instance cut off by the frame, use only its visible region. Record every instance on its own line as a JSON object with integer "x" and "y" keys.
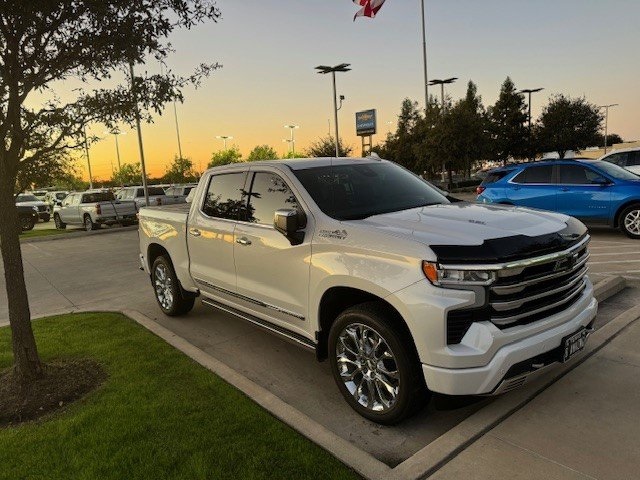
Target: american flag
{"x": 369, "y": 8}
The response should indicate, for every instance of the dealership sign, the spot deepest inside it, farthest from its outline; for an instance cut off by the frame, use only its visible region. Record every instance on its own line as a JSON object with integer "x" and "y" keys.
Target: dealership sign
{"x": 366, "y": 123}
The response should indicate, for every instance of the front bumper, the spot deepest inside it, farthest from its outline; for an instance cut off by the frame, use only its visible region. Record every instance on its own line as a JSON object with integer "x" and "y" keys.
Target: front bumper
{"x": 44, "y": 216}
{"x": 490, "y": 378}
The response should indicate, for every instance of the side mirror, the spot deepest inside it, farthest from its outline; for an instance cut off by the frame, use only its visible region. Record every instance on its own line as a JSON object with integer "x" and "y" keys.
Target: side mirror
{"x": 286, "y": 222}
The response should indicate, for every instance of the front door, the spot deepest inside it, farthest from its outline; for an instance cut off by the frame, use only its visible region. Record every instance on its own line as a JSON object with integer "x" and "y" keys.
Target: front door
{"x": 210, "y": 231}
{"x": 69, "y": 212}
{"x": 580, "y": 197}
{"x": 272, "y": 273}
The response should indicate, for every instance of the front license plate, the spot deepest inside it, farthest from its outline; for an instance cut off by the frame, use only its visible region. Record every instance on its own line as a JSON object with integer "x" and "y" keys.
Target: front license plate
{"x": 574, "y": 344}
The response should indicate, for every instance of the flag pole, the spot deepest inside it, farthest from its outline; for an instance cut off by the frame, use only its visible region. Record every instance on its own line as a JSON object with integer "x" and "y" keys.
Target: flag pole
{"x": 424, "y": 59}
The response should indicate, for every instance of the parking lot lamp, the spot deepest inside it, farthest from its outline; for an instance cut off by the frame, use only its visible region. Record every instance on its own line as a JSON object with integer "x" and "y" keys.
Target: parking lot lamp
{"x": 224, "y": 139}
{"x": 442, "y": 83}
{"x": 292, "y": 141}
{"x": 529, "y": 91}
{"x": 323, "y": 69}
{"x": 606, "y": 122}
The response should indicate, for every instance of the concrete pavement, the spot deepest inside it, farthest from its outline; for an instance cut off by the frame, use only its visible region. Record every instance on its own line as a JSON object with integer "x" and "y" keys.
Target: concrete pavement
{"x": 585, "y": 426}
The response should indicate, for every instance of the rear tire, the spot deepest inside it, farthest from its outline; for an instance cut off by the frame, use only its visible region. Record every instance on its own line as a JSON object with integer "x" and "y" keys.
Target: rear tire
{"x": 60, "y": 225}
{"x": 88, "y": 223}
{"x": 629, "y": 221}
{"x": 374, "y": 365}
{"x": 167, "y": 289}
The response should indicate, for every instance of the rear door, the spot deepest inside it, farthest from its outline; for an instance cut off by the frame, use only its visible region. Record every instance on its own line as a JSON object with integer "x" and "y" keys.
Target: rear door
{"x": 633, "y": 162}
{"x": 534, "y": 187}
{"x": 210, "y": 230}
{"x": 580, "y": 197}
{"x": 273, "y": 274}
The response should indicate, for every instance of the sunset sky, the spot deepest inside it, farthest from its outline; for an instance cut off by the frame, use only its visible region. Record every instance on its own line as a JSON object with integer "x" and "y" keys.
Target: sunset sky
{"x": 269, "y": 51}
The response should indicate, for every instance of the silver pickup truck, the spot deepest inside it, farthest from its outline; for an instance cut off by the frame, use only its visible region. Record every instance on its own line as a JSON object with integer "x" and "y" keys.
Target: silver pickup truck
{"x": 92, "y": 209}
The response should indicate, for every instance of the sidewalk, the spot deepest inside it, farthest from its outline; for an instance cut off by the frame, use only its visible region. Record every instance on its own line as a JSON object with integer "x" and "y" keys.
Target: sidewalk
{"x": 585, "y": 426}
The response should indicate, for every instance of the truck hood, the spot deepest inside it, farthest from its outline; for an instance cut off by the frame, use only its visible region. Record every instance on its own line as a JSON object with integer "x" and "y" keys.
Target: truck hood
{"x": 38, "y": 203}
{"x": 491, "y": 232}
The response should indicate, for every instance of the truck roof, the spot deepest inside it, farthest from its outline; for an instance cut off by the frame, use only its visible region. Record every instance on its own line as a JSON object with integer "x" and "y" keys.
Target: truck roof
{"x": 302, "y": 163}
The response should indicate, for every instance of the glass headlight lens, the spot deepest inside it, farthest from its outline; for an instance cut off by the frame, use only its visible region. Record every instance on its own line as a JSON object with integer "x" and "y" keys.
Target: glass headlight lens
{"x": 440, "y": 276}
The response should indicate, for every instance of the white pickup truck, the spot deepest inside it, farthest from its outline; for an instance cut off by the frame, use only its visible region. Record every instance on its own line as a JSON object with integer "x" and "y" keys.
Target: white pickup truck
{"x": 360, "y": 260}
{"x": 93, "y": 208}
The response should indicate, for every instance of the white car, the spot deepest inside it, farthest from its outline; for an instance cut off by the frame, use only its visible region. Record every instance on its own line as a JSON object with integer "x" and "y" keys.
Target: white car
{"x": 628, "y": 158}
{"x": 179, "y": 193}
{"x": 361, "y": 261}
{"x": 92, "y": 209}
{"x": 157, "y": 196}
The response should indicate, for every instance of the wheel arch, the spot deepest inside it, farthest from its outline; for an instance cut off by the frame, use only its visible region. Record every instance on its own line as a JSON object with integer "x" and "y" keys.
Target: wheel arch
{"x": 155, "y": 250}
{"x": 621, "y": 208}
{"x": 337, "y": 299}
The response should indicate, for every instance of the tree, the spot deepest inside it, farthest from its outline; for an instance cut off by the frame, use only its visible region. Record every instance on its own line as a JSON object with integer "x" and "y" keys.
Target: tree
{"x": 43, "y": 43}
{"x": 509, "y": 135}
{"x": 262, "y": 152}
{"x": 326, "y": 147}
{"x": 612, "y": 139}
{"x": 568, "y": 124}
{"x": 225, "y": 157}
{"x": 180, "y": 171}
{"x": 127, "y": 174}
{"x": 400, "y": 146}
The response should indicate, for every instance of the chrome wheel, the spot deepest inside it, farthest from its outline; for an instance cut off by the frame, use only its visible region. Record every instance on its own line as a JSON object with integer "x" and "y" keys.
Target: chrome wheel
{"x": 368, "y": 367}
{"x": 163, "y": 285}
{"x": 632, "y": 222}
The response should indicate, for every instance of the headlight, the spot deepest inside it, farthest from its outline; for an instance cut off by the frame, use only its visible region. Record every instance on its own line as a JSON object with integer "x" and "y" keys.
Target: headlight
{"x": 441, "y": 277}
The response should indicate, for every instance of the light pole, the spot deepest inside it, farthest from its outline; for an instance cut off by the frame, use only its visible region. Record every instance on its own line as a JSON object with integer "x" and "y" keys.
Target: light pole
{"x": 86, "y": 149}
{"x": 530, "y": 91}
{"x": 323, "y": 69}
{"x": 424, "y": 60}
{"x": 442, "y": 84}
{"x": 224, "y": 139}
{"x": 115, "y": 134}
{"x": 175, "y": 116}
{"x": 606, "y": 122}
{"x": 292, "y": 141}
{"x": 140, "y": 146}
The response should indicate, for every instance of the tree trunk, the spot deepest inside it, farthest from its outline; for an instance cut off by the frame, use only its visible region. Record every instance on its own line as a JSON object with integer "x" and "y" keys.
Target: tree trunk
{"x": 27, "y": 365}
{"x": 450, "y": 177}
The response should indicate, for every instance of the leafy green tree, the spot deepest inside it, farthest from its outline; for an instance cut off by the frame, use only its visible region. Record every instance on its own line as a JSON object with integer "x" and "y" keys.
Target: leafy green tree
{"x": 508, "y": 118}
{"x": 43, "y": 43}
{"x": 568, "y": 124}
{"x": 127, "y": 174}
{"x": 326, "y": 147}
{"x": 612, "y": 139}
{"x": 297, "y": 154}
{"x": 225, "y": 157}
{"x": 262, "y": 152}
{"x": 180, "y": 171}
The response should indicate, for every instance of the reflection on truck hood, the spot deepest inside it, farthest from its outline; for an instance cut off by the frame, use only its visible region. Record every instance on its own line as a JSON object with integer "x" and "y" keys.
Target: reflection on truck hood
{"x": 490, "y": 232}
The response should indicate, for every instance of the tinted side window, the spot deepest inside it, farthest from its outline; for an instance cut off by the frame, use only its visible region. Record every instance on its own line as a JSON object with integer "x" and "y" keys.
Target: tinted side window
{"x": 542, "y": 174}
{"x": 225, "y": 196}
{"x": 576, "y": 175}
{"x": 633, "y": 159}
{"x": 269, "y": 193}
{"x": 616, "y": 159}
{"x": 493, "y": 177}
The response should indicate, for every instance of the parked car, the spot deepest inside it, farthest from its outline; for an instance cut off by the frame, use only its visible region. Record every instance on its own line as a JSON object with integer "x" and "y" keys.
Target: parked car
{"x": 92, "y": 209}
{"x": 30, "y": 200}
{"x": 39, "y": 194}
{"x": 179, "y": 193}
{"x": 55, "y": 198}
{"x": 156, "y": 196}
{"x": 628, "y": 158}
{"x": 28, "y": 217}
{"x": 598, "y": 193}
{"x": 359, "y": 260}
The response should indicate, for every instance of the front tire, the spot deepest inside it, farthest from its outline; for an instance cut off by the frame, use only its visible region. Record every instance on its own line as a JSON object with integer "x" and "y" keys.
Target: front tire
{"x": 377, "y": 371}
{"x": 27, "y": 223}
{"x": 629, "y": 221}
{"x": 167, "y": 288}
{"x": 60, "y": 225}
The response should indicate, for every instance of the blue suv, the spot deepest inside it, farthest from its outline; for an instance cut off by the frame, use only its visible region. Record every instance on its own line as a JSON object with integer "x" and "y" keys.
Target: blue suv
{"x": 598, "y": 193}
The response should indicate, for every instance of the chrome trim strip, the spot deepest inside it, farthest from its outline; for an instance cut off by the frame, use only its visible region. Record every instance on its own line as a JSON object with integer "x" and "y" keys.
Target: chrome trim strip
{"x": 263, "y": 323}
{"x": 515, "y": 318}
{"x": 249, "y": 299}
{"x": 521, "y": 263}
{"x": 510, "y": 305}
{"x": 518, "y": 287}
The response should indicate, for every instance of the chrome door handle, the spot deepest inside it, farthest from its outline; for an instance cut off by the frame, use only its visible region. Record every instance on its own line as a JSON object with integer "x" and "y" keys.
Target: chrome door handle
{"x": 243, "y": 241}
{"x": 195, "y": 232}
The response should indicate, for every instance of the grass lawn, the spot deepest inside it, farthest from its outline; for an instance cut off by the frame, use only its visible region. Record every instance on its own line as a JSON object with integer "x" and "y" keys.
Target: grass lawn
{"x": 158, "y": 415}
{"x": 45, "y": 233}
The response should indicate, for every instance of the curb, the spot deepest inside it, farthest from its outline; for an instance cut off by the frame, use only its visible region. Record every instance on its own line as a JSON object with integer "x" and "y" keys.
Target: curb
{"x": 79, "y": 233}
{"x": 609, "y": 287}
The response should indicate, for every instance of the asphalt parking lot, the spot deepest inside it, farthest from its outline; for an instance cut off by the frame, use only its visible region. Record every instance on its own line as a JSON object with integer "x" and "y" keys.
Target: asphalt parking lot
{"x": 101, "y": 272}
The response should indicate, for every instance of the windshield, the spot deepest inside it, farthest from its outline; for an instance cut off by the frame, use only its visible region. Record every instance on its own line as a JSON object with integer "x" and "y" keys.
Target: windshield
{"x": 353, "y": 192}
{"x": 26, "y": 198}
{"x": 615, "y": 171}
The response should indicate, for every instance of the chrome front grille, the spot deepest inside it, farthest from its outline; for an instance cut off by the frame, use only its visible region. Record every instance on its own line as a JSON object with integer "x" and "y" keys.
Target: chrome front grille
{"x": 523, "y": 294}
